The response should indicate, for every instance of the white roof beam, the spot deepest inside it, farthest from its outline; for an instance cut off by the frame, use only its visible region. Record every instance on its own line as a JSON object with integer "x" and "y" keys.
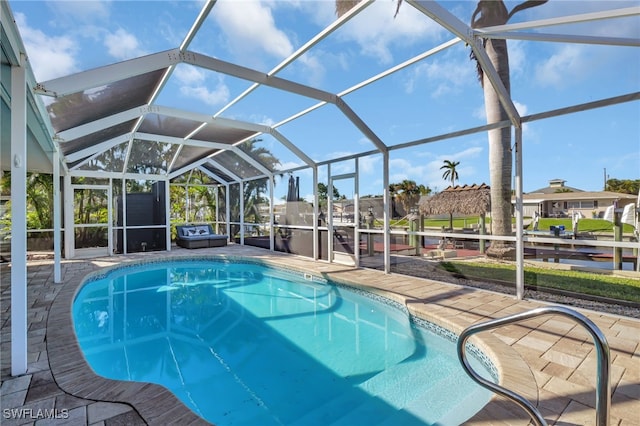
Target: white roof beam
{"x": 108, "y": 74}
{"x": 293, "y": 169}
{"x": 401, "y": 66}
{"x": 460, "y": 29}
{"x": 98, "y": 148}
{"x": 180, "y": 141}
{"x": 249, "y": 159}
{"x": 565, "y": 38}
{"x": 125, "y": 164}
{"x": 101, "y": 174}
{"x": 226, "y": 171}
{"x": 373, "y": 79}
{"x": 202, "y": 17}
{"x": 88, "y": 159}
{"x": 292, "y": 147}
{"x": 186, "y": 168}
{"x": 244, "y": 125}
{"x": 175, "y": 158}
{"x": 205, "y": 118}
{"x": 13, "y": 36}
{"x": 562, "y": 20}
{"x": 360, "y": 124}
{"x": 299, "y": 114}
{"x": 245, "y": 73}
{"x": 180, "y": 113}
{"x": 445, "y": 18}
{"x": 201, "y": 162}
{"x": 526, "y": 119}
{"x": 259, "y": 129}
{"x": 103, "y": 123}
{"x": 212, "y": 175}
{"x": 205, "y": 144}
{"x": 348, "y": 157}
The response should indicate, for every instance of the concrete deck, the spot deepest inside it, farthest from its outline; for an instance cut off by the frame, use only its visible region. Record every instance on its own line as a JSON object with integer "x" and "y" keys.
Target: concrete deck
{"x": 550, "y": 359}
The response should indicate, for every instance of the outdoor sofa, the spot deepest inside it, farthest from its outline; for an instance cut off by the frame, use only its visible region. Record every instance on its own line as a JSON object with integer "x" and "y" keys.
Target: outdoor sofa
{"x": 199, "y": 236}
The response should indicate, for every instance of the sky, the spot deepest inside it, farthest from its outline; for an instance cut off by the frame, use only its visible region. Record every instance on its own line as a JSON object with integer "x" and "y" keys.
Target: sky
{"x": 432, "y": 97}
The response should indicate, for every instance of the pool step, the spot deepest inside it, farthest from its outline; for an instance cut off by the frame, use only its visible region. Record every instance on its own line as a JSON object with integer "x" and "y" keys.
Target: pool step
{"x": 442, "y": 404}
{"x": 404, "y": 382}
{"x": 381, "y": 397}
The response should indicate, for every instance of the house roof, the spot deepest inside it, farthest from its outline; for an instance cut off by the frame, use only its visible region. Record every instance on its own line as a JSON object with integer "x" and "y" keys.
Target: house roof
{"x": 575, "y": 196}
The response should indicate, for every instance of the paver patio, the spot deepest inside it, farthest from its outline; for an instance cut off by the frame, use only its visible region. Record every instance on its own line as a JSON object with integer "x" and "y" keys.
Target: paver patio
{"x": 549, "y": 359}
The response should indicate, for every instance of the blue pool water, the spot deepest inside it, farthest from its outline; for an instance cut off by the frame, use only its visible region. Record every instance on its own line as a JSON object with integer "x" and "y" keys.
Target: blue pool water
{"x": 245, "y": 344}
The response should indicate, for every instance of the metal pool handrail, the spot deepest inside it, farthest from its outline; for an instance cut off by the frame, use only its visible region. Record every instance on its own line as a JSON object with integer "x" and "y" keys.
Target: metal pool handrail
{"x": 603, "y": 389}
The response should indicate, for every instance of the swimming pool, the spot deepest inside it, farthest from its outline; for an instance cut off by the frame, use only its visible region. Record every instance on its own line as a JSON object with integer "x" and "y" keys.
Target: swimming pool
{"x": 243, "y": 343}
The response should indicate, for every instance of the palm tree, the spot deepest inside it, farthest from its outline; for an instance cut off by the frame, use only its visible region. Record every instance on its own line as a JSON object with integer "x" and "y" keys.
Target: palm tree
{"x": 407, "y": 193}
{"x": 489, "y": 13}
{"x": 252, "y": 189}
{"x": 450, "y": 172}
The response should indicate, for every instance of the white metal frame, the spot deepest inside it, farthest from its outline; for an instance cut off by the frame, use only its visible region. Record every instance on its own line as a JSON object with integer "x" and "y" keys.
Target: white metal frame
{"x": 23, "y": 77}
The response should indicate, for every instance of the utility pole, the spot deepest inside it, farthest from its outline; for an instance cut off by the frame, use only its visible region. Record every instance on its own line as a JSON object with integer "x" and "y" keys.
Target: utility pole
{"x": 604, "y": 188}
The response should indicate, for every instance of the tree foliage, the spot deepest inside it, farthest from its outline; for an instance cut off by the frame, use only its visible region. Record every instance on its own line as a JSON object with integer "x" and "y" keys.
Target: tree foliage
{"x": 323, "y": 192}
{"x": 253, "y": 190}
{"x": 450, "y": 172}
{"x": 408, "y": 193}
{"x": 624, "y": 186}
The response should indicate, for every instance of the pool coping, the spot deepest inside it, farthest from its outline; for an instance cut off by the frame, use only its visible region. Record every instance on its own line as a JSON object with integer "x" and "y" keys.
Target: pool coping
{"x": 155, "y": 404}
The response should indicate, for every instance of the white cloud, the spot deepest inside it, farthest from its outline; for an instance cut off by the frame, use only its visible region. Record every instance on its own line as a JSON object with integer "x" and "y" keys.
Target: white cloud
{"x": 314, "y": 70}
{"x": 376, "y": 30}
{"x": 188, "y": 74}
{"x": 122, "y": 45}
{"x": 195, "y": 84}
{"x": 251, "y": 29}
{"x": 261, "y": 119}
{"x": 50, "y": 57}
{"x": 447, "y": 76}
{"x": 217, "y": 95}
{"x": 480, "y": 112}
{"x": 79, "y": 11}
{"x": 517, "y": 57}
{"x": 569, "y": 63}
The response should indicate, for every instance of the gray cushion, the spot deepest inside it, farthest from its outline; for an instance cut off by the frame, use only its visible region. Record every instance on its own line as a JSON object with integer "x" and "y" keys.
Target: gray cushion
{"x": 202, "y": 230}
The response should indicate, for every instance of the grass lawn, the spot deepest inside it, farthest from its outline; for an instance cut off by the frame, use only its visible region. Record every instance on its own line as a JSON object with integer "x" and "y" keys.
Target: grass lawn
{"x": 602, "y": 285}
{"x": 596, "y": 226}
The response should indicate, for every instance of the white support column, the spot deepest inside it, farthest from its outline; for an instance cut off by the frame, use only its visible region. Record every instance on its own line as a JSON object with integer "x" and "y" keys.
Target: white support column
{"x": 356, "y": 214}
{"x": 167, "y": 211}
{"x": 519, "y": 218}
{"x": 272, "y": 231}
{"x": 69, "y": 232}
{"x": 316, "y": 234}
{"x": 187, "y": 203}
{"x": 19, "y": 219}
{"x": 329, "y": 215}
{"x": 387, "y": 222}
{"x": 125, "y": 249}
{"x": 227, "y": 210}
{"x": 217, "y": 209}
{"x": 57, "y": 275}
{"x": 110, "y": 218}
{"x": 241, "y": 190}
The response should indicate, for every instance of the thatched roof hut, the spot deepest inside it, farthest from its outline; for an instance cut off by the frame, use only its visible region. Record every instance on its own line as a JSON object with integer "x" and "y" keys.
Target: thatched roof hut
{"x": 464, "y": 200}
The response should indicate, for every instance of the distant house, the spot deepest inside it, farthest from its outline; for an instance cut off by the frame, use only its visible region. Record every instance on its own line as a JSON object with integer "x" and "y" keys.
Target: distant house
{"x": 559, "y": 200}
